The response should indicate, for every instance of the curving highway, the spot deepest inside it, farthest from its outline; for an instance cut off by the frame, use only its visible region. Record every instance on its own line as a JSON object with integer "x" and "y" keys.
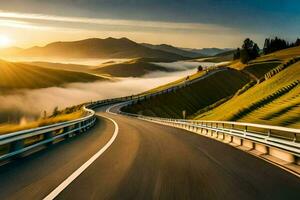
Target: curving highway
{"x": 143, "y": 160}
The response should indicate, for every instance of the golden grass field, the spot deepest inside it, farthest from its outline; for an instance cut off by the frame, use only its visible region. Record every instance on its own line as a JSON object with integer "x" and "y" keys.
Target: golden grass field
{"x": 8, "y": 127}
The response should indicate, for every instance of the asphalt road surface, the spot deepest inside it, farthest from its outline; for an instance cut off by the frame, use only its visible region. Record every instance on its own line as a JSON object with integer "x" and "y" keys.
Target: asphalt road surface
{"x": 145, "y": 161}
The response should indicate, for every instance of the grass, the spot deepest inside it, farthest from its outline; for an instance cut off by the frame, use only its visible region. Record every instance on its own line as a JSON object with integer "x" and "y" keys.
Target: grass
{"x": 261, "y": 68}
{"x": 61, "y": 116}
{"x": 175, "y": 83}
{"x": 282, "y": 55}
{"x": 221, "y": 57}
{"x": 193, "y": 97}
{"x": 24, "y": 76}
{"x": 274, "y": 101}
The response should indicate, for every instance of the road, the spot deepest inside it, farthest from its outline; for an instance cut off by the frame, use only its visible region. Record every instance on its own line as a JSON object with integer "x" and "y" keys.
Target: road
{"x": 145, "y": 161}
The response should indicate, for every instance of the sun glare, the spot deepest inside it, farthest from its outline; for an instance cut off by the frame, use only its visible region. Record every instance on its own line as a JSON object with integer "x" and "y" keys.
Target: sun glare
{"x": 5, "y": 41}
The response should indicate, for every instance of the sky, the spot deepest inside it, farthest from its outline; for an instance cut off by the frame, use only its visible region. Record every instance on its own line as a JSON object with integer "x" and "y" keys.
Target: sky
{"x": 184, "y": 23}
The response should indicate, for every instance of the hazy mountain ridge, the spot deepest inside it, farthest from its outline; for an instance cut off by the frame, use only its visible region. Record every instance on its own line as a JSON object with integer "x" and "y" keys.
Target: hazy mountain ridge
{"x": 97, "y": 48}
{"x": 188, "y": 52}
{"x": 172, "y": 49}
{"x": 208, "y": 51}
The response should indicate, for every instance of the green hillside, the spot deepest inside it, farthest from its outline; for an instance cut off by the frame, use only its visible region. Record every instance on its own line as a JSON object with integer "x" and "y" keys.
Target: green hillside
{"x": 281, "y": 55}
{"x": 24, "y": 76}
{"x": 275, "y": 101}
{"x": 259, "y": 69}
{"x": 266, "y": 91}
{"x": 193, "y": 97}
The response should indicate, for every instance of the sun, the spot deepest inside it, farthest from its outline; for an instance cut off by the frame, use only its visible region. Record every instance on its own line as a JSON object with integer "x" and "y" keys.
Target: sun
{"x": 5, "y": 41}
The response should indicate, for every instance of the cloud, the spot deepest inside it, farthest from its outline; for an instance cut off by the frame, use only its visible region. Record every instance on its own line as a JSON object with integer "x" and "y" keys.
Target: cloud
{"x": 130, "y": 24}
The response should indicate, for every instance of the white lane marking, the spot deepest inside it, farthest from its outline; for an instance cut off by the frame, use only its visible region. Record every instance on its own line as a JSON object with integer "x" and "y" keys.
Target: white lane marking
{"x": 114, "y": 105}
{"x": 75, "y": 174}
{"x": 110, "y": 107}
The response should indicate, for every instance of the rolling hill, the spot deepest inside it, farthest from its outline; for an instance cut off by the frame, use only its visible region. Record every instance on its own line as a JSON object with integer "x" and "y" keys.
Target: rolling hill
{"x": 62, "y": 66}
{"x": 204, "y": 92}
{"x": 24, "y": 76}
{"x": 208, "y": 51}
{"x": 133, "y": 68}
{"x": 221, "y": 57}
{"x": 275, "y": 101}
{"x": 97, "y": 48}
{"x": 269, "y": 93}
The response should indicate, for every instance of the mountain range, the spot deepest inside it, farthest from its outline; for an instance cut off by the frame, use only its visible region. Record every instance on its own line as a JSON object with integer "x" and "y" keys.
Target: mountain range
{"x": 94, "y": 48}
{"x": 188, "y": 52}
{"x": 110, "y": 48}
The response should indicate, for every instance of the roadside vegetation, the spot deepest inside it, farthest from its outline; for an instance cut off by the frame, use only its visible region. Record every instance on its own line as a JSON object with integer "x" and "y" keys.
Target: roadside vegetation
{"x": 57, "y": 116}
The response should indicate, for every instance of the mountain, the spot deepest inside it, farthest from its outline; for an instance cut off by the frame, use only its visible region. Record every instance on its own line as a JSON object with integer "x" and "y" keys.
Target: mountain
{"x": 172, "y": 49}
{"x": 208, "y": 51}
{"x": 97, "y": 48}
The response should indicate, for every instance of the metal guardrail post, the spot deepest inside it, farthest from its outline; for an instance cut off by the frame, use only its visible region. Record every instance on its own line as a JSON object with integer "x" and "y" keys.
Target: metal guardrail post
{"x": 47, "y": 136}
{"x": 16, "y": 145}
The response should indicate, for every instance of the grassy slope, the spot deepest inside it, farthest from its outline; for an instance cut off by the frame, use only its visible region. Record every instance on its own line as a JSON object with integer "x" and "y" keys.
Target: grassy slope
{"x": 10, "y": 127}
{"x": 62, "y": 66}
{"x": 221, "y": 57}
{"x": 174, "y": 83}
{"x": 282, "y": 55}
{"x": 281, "y": 110}
{"x": 193, "y": 97}
{"x": 134, "y": 68}
{"x": 21, "y": 76}
{"x": 261, "y": 68}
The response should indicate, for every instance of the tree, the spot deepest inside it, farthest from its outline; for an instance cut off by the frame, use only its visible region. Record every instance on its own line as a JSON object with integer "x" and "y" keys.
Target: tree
{"x": 237, "y": 54}
{"x": 275, "y": 44}
{"x": 250, "y": 51}
{"x": 55, "y": 111}
{"x": 255, "y": 51}
{"x": 266, "y": 46}
{"x": 297, "y": 43}
{"x": 200, "y": 68}
{"x": 44, "y": 114}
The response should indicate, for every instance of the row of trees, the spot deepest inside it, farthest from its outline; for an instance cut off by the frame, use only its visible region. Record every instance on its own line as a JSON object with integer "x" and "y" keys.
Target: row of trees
{"x": 250, "y": 49}
{"x": 274, "y": 44}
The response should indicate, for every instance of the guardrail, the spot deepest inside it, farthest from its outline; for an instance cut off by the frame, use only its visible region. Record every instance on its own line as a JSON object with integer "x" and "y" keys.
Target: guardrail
{"x": 280, "y": 142}
{"x": 16, "y": 143}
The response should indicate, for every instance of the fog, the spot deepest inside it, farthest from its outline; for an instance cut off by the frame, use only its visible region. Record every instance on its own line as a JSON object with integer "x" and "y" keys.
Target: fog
{"x": 78, "y": 61}
{"x": 185, "y": 65}
{"x": 31, "y": 103}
